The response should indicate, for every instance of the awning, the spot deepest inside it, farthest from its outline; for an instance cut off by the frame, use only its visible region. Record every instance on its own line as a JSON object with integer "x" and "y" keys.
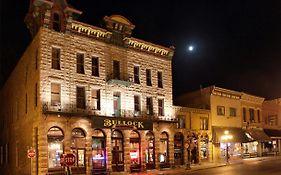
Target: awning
{"x": 258, "y": 135}
{"x": 273, "y": 132}
{"x": 238, "y": 135}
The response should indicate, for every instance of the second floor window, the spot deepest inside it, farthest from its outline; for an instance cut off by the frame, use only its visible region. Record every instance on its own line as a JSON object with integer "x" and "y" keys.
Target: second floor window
{"x": 160, "y": 79}
{"x": 137, "y": 104}
{"x": 232, "y": 112}
{"x": 220, "y": 110}
{"x": 161, "y": 107}
{"x": 55, "y": 94}
{"x": 56, "y": 58}
{"x": 203, "y": 123}
{"x": 137, "y": 74}
{"x": 80, "y": 97}
{"x": 96, "y": 99}
{"x": 259, "y": 118}
{"x": 116, "y": 70}
{"x": 149, "y": 106}
{"x": 272, "y": 120}
{"x": 95, "y": 66}
{"x": 148, "y": 77}
{"x": 181, "y": 121}
{"x": 244, "y": 114}
{"x": 252, "y": 115}
{"x": 80, "y": 63}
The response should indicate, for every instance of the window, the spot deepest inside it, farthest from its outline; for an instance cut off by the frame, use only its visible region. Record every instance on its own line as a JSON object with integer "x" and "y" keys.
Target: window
{"x": 164, "y": 149}
{"x": 178, "y": 149}
{"x": 137, "y": 104}
{"x": 148, "y": 77}
{"x": 160, "y": 79}
{"x": 244, "y": 115}
{"x": 181, "y": 122}
{"x": 259, "y": 119}
{"x": 96, "y": 99}
{"x": 55, "y": 94}
{"x": 56, "y": 22}
{"x": 95, "y": 66}
{"x": 203, "y": 123}
{"x": 252, "y": 115}
{"x": 98, "y": 150}
{"x": 220, "y": 110}
{"x": 80, "y": 63}
{"x": 149, "y": 106}
{"x": 116, "y": 70}
{"x": 35, "y": 96}
{"x": 272, "y": 120}
{"x": 161, "y": 107}
{"x": 150, "y": 150}
{"x": 55, "y": 147}
{"x": 232, "y": 112}
{"x": 117, "y": 151}
{"x": 135, "y": 150}
{"x": 80, "y": 98}
{"x": 137, "y": 74}
{"x": 78, "y": 143}
{"x": 56, "y": 58}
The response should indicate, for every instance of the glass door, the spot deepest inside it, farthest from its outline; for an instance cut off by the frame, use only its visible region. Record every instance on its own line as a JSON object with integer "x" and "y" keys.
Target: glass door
{"x": 150, "y": 151}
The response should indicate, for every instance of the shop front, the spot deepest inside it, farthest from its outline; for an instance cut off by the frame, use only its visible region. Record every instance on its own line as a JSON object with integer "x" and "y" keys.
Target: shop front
{"x": 150, "y": 150}
{"x": 178, "y": 149}
{"x": 204, "y": 147}
{"x": 164, "y": 150}
{"x": 273, "y": 147}
{"x": 98, "y": 152}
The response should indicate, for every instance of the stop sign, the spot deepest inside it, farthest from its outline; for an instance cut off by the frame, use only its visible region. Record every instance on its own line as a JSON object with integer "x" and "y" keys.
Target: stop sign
{"x": 69, "y": 159}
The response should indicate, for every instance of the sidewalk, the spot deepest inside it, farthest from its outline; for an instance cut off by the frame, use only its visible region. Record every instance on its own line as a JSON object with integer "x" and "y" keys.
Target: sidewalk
{"x": 205, "y": 165}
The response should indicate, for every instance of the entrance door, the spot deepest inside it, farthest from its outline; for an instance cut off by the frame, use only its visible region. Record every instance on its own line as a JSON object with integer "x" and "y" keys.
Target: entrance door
{"x": 116, "y": 104}
{"x": 150, "y": 151}
{"x": 117, "y": 151}
{"x": 178, "y": 149}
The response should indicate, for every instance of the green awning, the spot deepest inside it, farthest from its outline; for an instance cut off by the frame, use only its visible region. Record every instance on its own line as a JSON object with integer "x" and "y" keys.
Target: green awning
{"x": 238, "y": 135}
{"x": 258, "y": 135}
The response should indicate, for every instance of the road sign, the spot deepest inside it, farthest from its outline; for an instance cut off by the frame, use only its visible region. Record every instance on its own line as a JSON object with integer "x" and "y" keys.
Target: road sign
{"x": 69, "y": 159}
{"x": 31, "y": 153}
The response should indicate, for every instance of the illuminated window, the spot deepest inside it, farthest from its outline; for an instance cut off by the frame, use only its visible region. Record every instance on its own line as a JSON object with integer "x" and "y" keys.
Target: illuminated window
{"x": 161, "y": 107}
{"x": 55, "y": 147}
{"x": 95, "y": 66}
{"x": 98, "y": 150}
{"x": 203, "y": 123}
{"x": 55, "y": 94}
{"x": 96, "y": 99}
{"x": 135, "y": 150}
{"x": 80, "y": 63}
{"x": 232, "y": 112}
{"x": 164, "y": 149}
{"x": 149, "y": 106}
{"x": 220, "y": 110}
{"x": 56, "y": 58}
{"x": 150, "y": 150}
{"x": 148, "y": 77}
{"x": 80, "y": 97}
{"x": 137, "y": 74}
{"x": 160, "y": 79}
{"x": 117, "y": 151}
{"x": 78, "y": 143}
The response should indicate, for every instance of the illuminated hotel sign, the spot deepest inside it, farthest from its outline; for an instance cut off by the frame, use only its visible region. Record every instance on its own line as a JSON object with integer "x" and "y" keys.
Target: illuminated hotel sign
{"x": 121, "y": 123}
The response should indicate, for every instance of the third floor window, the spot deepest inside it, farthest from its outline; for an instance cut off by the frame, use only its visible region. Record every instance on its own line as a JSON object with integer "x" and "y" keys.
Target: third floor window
{"x": 116, "y": 70}
{"x": 80, "y": 63}
{"x": 95, "y": 66}
{"x": 148, "y": 77}
{"x": 160, "y": 79}
{"x": 56, "y": 58}
{"x": 244, "y": 114}
{"x": 137, "y": 74}
{"x": 252, "y": 115}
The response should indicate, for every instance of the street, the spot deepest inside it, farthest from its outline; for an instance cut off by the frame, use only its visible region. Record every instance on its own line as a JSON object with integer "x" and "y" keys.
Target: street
{"x": 264, "y": 167}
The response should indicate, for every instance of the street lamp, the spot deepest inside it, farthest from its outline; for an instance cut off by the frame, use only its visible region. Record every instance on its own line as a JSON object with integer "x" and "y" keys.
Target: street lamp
{"x": 226, "y": 138}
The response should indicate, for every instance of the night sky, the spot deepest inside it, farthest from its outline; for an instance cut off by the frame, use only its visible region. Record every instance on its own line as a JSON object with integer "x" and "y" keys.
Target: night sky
{"x": 237, "y": 43}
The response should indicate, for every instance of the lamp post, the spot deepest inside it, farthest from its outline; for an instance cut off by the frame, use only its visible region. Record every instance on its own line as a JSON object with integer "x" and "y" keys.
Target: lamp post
{"x": 226, "y": 138}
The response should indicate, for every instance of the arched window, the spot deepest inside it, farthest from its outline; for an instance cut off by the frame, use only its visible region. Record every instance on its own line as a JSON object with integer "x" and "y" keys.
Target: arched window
{"x": 135, "y": 151}
{"x": 164, "y": 150}
{"x": 178, "y": 148}
{"x": 78, "y": 146}
{"x": 55, "y": 147}
{"x": 150, "y": 150}
{"x": 98, "y": 151}
{"x": 56, "y": 22}
{"x": 117, "y": 151}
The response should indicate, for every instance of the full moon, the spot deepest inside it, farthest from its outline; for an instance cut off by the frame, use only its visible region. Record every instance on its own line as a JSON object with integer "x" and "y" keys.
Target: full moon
{"x": 190, "y": 48}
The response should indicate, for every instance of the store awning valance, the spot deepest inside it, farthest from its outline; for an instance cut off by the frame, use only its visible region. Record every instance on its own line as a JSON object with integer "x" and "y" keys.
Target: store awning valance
{"x": 238, "y": 135}
{"x": 273, "y": 132}
{"x": 258, "y": 135}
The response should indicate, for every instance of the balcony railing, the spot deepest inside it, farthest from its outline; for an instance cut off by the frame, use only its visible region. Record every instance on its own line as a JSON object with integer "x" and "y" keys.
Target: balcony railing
{"x": 121, "y": 79}
{"x": 72, "y": 110}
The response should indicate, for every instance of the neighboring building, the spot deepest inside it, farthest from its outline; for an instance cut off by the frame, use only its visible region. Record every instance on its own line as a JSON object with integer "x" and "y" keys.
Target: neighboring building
{"x": 95, "y": 92}
{"x": 195, "y": 129}
{"x": 225, "y": 116}
{"x": 272, "y": 125}
{"x": 251, "y": 112}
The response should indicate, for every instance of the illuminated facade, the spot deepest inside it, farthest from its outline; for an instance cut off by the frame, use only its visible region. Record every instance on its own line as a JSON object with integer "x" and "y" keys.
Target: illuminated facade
{"x": 95, "y": 92}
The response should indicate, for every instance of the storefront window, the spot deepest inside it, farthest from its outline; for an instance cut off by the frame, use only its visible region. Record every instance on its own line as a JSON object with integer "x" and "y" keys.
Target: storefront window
{"x": 117, "y": 151}
{"x": 78, "y": 146}
{"x": 150, "y": 151}
{"x": 55, "y": 147}
{"x": 178, "y": 149}
{"x": 135, "y": 151}
{"x": 234, "y": 149}
{"x": 204, "y": 146}
{"x": 98, "y": 150}
{"x": 164, "y": 152}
